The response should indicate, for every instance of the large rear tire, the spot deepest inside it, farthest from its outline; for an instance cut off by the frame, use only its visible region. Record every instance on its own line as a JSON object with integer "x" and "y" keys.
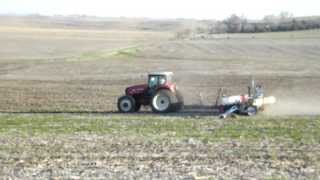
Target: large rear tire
{"x": 127, "y": 104}
{"x": 162, "y": 101}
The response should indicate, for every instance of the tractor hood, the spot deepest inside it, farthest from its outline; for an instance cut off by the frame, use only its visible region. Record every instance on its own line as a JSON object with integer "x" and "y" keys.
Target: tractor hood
{"x": 137, "y": 89}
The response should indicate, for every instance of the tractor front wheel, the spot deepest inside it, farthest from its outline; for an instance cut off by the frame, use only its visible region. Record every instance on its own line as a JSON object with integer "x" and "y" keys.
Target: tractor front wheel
{"x": 126, "y": 104}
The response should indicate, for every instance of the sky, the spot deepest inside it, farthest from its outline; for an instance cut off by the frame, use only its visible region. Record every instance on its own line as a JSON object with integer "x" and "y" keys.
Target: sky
{"x": 158, "y": 9}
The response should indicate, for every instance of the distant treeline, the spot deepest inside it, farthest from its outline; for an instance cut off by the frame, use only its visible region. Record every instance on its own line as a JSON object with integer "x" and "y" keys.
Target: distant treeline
{"x": 271, "y": 23}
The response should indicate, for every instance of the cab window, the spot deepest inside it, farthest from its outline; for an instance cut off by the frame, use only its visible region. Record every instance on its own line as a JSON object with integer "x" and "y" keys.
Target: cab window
{"x": 153, "y": 81}
{"x": 162, "y": 80}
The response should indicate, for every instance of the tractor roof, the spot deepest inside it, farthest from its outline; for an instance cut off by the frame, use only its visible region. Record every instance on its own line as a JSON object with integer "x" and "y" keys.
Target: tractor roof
{"x": 161, "y": 74}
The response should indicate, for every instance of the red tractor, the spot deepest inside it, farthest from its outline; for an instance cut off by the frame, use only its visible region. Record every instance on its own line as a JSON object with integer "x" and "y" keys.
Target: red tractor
{"x": 160, "y": 93}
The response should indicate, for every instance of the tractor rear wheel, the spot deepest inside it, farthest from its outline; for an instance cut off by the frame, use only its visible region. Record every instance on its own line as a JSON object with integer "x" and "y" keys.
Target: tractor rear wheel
{"x": 161, "y": 102}
{"x": 127, "y": 104}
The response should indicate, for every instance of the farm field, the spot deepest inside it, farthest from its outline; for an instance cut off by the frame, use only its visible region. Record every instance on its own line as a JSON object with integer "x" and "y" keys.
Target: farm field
{"x": 59, "y": 87}
{"x": 78, "y": 70}
{"x": 162, "y": 147}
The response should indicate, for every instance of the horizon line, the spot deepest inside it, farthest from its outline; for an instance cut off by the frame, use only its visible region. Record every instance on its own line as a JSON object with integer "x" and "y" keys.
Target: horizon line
{"x": 137, "y": 17}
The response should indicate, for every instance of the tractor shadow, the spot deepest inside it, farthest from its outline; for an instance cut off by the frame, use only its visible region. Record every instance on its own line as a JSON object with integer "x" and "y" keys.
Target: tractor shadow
{"x": 187, "y": 111}
{"x": 195, "y": 110}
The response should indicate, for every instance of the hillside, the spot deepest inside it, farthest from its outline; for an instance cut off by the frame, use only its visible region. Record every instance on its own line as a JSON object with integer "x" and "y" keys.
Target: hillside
{"x": 101, "y": 23}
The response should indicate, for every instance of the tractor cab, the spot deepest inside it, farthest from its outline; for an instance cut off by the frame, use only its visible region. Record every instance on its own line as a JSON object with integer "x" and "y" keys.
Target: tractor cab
{"x": 156, "y": 80}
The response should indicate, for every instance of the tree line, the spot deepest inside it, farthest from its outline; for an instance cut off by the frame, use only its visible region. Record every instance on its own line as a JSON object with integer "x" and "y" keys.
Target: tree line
{"x": 271, "y": 23}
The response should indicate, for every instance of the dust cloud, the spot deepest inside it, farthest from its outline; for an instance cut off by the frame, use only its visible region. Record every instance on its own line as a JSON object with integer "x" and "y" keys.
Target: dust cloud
{"x": 294, "y": 106}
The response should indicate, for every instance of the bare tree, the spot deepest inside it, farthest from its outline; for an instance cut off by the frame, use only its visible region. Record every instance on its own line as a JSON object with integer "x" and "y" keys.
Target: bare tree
{"x": 234, "y": 24}
{"x": 285, "y": 16}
